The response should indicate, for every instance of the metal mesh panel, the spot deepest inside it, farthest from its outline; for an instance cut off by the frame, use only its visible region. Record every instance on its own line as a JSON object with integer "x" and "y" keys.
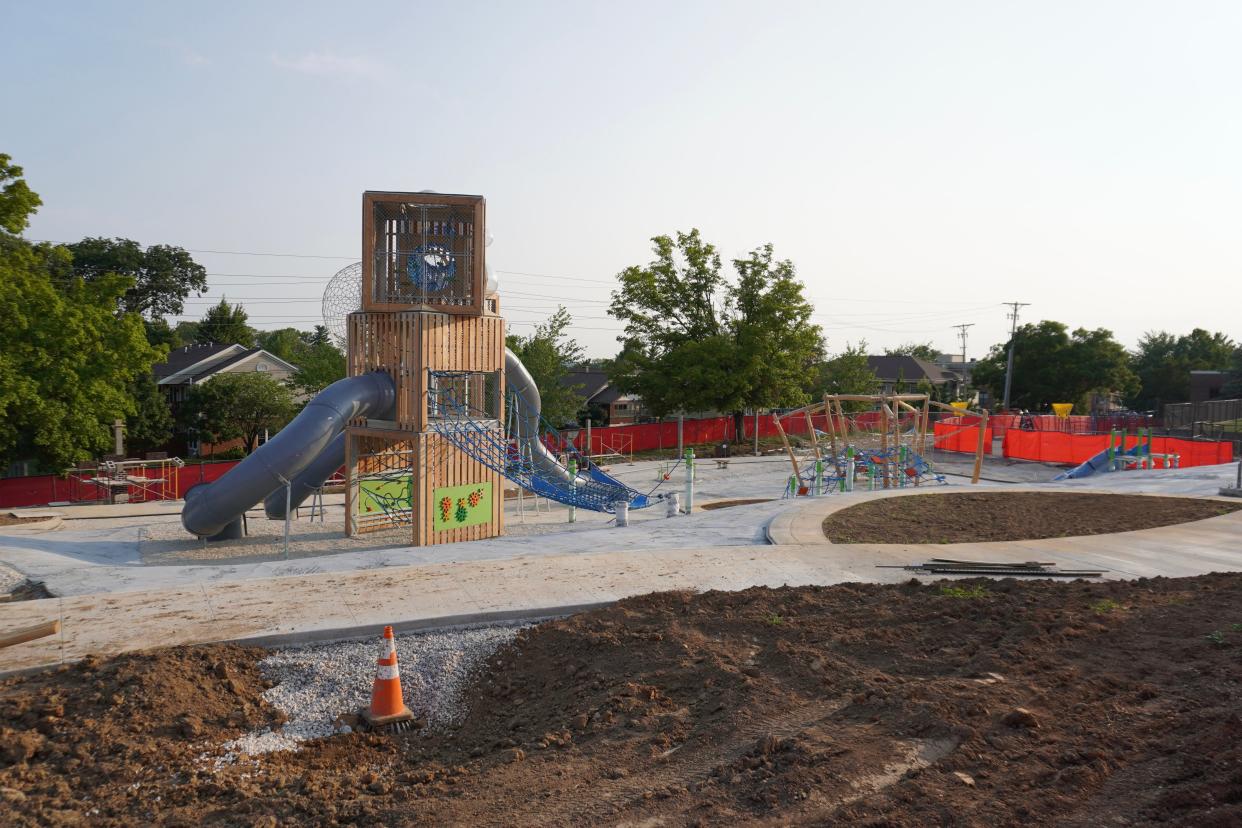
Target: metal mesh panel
{"x": 453, "y": 394}
{"x": 425, "y": 254}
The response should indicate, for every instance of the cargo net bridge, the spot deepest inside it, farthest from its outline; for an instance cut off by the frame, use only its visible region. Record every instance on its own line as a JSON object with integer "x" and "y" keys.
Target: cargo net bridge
{"x": 521, "y": 450}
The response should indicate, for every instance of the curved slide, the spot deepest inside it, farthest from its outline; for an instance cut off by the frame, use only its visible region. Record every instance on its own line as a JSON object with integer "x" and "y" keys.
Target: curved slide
{"x": 298, "y": 452}
{"x": 1096, "y": 463}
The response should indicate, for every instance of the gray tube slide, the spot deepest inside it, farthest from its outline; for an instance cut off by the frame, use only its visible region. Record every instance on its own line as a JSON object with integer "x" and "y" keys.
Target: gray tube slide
{"x": 211, "y": 508}
{"x": 308, "y": 480}
{"x": 519, "y": 381}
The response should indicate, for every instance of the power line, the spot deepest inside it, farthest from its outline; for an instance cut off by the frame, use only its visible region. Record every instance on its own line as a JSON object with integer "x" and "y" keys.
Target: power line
{"x": 961, "y": 334}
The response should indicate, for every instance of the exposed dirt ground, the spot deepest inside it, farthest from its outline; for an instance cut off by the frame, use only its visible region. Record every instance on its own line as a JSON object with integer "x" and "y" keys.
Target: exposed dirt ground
{"x": 1017, "y": 703}
{"x": 964, "y": 517}
{"x": 9, "y": 520}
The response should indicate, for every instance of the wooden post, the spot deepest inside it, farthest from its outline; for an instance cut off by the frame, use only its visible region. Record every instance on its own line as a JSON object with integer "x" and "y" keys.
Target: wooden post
{"x": 24, "y": 634}
{"x": 810, "y": 427}
{"x": 884, "y": 415}
{"x": 788, "y": 449}
{"x": 832, "y": 433}
{"x": 983, "y": 427}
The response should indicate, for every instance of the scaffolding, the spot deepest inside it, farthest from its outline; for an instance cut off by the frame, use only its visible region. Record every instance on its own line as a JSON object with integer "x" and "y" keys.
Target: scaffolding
{"x": 126, "y": 481}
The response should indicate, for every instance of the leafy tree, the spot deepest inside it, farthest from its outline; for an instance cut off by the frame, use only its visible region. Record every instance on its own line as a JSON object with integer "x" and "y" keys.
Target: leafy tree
{"x": 17, "y": 201}
{"x": 1051, "y": 364}
{"x": 162, "y": 275}
{"x": 151, "y": 423}
{"x": 229, "y": 406}
{"x": 695, "y": 340}
{"x": 849, "y": 372}
{"x": 548, "y": 354}
{"x": 920, "y": 350}
{"x": 67, "y": 359}
{"x": 282, "y": 342}
{"x": 1163, "y": 363}
{"x": 227, "y": 324}
{"x": 319, "y": 362}
{"x": 186, "y": 333}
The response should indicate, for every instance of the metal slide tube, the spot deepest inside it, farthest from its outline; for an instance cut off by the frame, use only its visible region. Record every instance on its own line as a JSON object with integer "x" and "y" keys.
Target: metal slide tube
{"x": 519, "y": 381}
{"x": 308, "y": 480}
{"x": 210, "y": 508}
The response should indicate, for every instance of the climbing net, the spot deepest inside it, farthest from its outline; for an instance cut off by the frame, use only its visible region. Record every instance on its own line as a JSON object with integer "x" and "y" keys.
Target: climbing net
{"x": 383, "y": 485}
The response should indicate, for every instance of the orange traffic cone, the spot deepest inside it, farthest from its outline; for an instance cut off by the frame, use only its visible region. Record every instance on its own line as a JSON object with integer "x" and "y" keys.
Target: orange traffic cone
{"x": 387, "y": 708}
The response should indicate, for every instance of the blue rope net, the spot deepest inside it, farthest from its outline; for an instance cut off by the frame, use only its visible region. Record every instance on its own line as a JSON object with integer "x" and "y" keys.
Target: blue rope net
{"x": 483, "y": 440}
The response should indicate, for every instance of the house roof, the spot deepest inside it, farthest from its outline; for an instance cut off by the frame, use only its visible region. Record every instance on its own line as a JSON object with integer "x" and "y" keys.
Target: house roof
{"x": 908, "y": 368}
{"x": 181, "y": 358}
{"x": 593, "y": 382}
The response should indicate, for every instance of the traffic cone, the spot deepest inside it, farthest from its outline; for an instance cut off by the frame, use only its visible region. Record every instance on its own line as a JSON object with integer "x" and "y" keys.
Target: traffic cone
{"x": 387, "y": 710}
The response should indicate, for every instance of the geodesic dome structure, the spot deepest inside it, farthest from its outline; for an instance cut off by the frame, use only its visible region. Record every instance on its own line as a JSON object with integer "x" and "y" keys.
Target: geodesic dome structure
{"x": 341, "y": 297}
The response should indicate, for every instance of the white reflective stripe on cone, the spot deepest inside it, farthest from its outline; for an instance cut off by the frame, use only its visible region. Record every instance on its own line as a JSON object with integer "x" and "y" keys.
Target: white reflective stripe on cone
{"x": 386, "y": 671}
{"x": 388, "y": 646}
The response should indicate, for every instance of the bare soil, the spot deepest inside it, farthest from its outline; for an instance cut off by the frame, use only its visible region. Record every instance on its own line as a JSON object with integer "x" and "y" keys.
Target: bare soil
{"x": 965, "y": 517}
{"x": 1017, "y": 703}
{"x": 9, "y": 520}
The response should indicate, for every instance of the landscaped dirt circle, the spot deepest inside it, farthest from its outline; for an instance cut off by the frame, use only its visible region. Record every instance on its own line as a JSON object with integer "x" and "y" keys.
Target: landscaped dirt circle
{"x": 994, "y": 703}
{"x": 964, "y": 517}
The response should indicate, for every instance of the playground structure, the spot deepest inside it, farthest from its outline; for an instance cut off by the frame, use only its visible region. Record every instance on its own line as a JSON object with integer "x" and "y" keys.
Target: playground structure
{"x": 1117, "y": 457}
{"x": 884, "y": 445}
{"x": 127, "y": 481}
{"x": 434, "y": 410}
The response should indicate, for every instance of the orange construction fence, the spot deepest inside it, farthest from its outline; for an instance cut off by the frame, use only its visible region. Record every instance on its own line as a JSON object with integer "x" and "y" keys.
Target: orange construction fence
{"x": 1071, "y": 449}
{"x": 955, "y": 434}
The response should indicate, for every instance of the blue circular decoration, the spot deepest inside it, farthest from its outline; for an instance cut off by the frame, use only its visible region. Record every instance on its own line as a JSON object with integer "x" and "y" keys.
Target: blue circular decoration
{"x": 431, "y": 268}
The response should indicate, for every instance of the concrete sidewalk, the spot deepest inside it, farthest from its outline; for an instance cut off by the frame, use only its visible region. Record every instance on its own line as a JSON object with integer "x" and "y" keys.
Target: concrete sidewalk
{"x": 354, "y": 604}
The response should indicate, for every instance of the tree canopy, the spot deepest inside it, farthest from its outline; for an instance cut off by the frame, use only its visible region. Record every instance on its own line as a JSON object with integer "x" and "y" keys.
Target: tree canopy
{"x": 920, "y": 350}
{"x": 849, "y": 372}
{"x": 17, "y": 201}
{"x": 225, "y": 323}
{"x": 548, "y": 354}
{"x": 1052, "y": 364}
{"x": 162, "y": 276}
{"x": 1163, "y": 363}
{"x": 695, "y": 340}
{"x": 233, "y": 405}
{"x": 67, "y": 358}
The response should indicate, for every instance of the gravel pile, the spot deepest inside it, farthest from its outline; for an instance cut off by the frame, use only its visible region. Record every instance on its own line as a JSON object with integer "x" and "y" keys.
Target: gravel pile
{"x": 315, "y": 684}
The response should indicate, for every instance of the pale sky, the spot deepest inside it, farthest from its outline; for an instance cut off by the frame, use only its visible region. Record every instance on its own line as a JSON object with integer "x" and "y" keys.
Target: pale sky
{"x": 921, "y": 163}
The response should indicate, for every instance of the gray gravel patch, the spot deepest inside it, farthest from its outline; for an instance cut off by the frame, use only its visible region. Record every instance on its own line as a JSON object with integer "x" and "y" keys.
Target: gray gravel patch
{"x": 316, "y": 683}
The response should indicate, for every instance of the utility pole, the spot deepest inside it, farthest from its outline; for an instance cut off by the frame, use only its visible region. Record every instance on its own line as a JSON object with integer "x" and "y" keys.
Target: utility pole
{"x": 961, "y": 334}
{"x": 1013, "y": 332}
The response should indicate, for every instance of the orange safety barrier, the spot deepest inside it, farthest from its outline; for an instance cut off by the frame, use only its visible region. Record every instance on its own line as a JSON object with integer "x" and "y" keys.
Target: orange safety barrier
{"x": 1072, "y": 449}
{"x": 956, "y": 436}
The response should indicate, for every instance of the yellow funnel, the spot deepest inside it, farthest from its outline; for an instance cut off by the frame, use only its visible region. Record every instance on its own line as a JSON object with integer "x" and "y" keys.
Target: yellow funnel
{"x": 1062, "y": 409}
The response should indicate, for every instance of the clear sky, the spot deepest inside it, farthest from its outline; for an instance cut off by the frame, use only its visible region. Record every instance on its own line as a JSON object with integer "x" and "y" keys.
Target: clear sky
{"x": 921, "y": 163}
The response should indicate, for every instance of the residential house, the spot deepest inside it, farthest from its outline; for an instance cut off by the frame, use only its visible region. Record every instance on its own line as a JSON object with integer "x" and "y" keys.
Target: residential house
{"x": 907, "y": 372}
{"x": 615, "y": 407}
{"x": 195, "y": 364}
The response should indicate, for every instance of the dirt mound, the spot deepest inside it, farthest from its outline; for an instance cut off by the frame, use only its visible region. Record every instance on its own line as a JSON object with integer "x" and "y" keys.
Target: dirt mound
{"x": 963, "y": 517}
{"x": 1035, "y": 703}
{"x": 727, "y": 504}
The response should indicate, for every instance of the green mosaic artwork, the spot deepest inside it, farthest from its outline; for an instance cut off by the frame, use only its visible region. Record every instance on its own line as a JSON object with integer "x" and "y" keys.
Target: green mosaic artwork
{"x": 457, "y": 506}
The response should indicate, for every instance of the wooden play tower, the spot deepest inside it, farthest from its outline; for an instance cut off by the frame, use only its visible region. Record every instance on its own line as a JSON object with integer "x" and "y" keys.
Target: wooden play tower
{"x": 428, "y": 322}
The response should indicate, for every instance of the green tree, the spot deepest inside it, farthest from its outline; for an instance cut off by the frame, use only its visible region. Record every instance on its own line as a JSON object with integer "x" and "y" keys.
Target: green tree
{"x": 319, "y": 362}
{"x": 548, "y": 354}
{"x": 162, "y": 276}
{"x": 920, "y": 350}
{"x": 150, "y": 425}
{"x": 227, "y": 324}
{"x": 849, "y": 372}
{"x": 17, "y": 201}
{"x": 696, "y": 341}
{"x": 240, "y": 405}
{"x": 67, "y": 359}
{"x": 282, "y": 342}
{"x": 1163, "y": 363}
{"x": 1233, "y": 386}
{"x": 1051, "y": 364}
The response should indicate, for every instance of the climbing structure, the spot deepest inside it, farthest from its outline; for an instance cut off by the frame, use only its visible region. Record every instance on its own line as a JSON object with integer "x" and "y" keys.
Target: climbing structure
{"x": 467, "y": 413}
{"x": 851, "y": 441}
